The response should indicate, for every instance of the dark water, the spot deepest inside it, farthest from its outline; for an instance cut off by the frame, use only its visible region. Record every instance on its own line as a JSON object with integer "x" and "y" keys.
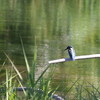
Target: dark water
{"x": 52, "y": 25}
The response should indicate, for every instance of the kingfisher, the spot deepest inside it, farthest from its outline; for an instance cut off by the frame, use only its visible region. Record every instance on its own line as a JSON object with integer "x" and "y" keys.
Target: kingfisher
{"x": 71, "y": 52}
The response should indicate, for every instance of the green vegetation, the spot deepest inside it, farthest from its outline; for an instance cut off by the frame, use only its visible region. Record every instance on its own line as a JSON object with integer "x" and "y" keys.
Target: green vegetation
{"x": 36, "y": 88}
{"x": 41, "y": 88}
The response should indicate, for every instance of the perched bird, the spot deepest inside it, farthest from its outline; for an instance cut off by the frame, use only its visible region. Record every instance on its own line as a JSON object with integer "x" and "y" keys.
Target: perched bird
{"x": 71, "y": 52}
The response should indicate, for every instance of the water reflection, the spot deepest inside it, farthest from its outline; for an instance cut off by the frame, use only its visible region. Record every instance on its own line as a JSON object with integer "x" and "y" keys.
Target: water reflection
{"x": 52, "y": 25}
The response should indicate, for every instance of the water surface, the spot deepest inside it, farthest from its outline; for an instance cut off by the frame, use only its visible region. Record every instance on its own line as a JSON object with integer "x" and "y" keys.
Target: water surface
{"x": 51, "y": 25}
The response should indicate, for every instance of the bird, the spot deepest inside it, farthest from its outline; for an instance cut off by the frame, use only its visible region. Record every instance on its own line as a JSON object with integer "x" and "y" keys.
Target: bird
{"x": 71, "y": 52}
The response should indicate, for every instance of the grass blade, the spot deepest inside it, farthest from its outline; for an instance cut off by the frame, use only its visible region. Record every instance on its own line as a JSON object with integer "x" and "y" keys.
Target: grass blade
{"x": 14, "y": 66}
{"x": 7, "y": 85}
{"x": 41, "y": 75}
{"x": 26, "y": 61}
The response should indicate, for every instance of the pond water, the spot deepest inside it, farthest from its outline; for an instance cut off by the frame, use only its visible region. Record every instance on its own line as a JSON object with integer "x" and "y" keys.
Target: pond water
{"x": 52, "y": 25}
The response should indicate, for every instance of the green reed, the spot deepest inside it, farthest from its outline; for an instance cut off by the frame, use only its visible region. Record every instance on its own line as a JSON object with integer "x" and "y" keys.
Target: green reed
{"x": 41, "y": 88}
{"x": 36, "y": 88}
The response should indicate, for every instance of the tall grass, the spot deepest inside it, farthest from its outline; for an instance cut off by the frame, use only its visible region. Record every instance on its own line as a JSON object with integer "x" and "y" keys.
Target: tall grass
{"x": 40, "y": 88}
{"x": 32, "y": 88}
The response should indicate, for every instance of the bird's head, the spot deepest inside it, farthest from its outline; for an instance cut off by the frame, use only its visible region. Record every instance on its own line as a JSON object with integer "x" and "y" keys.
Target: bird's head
{"x": 69, "y": 47}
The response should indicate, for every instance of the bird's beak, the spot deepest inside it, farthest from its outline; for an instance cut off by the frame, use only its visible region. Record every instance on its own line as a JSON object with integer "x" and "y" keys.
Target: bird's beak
{"x": 65, "y": 49}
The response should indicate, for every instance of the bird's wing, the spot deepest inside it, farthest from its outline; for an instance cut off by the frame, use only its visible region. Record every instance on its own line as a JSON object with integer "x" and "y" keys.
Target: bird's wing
{"x": 72, "y": 54}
